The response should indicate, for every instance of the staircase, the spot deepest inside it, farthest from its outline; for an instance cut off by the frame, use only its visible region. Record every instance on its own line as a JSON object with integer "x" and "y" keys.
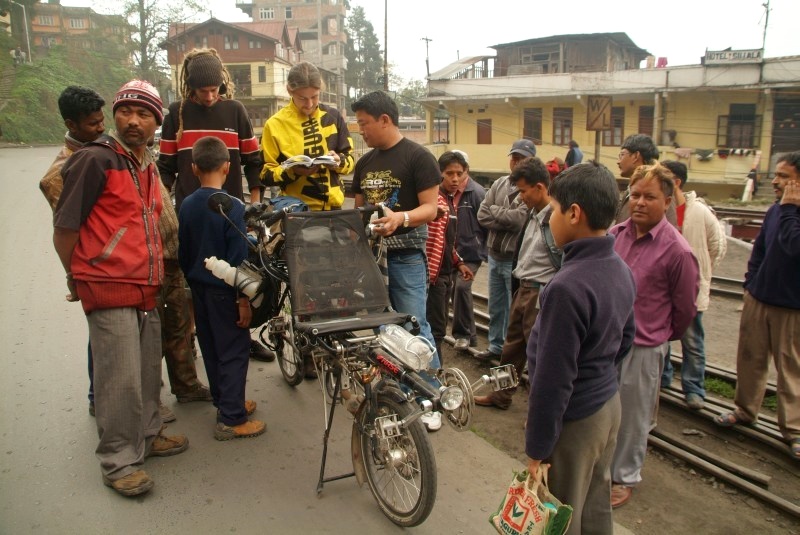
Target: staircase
{"x": 7, "y": 77}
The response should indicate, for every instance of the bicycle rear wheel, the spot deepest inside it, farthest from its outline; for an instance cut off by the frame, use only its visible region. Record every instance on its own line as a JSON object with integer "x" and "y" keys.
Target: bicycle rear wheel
{"x": 289, "y": 358}
{"x": 400, "y": 469}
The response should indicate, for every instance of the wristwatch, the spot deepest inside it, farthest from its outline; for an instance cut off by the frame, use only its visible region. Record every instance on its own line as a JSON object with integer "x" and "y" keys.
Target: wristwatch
{"x": 406, "y": 220}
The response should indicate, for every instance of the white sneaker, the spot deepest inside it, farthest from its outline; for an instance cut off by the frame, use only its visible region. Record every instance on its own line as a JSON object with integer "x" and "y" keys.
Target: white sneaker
{"x": 432, "y": 421}
{"x": 462, "y": 344}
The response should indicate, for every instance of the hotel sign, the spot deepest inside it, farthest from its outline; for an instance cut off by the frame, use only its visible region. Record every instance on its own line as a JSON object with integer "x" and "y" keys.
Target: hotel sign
{"x": 728, "y": 57}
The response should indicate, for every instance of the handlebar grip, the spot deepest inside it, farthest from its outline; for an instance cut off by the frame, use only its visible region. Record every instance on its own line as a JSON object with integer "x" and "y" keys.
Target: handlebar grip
{"x": 271, "y": 217}
{"x": 415, "y": 381}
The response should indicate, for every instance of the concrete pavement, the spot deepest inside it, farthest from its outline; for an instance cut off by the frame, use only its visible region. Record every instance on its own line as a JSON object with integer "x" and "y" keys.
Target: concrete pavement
{"x": 50, "y": 479}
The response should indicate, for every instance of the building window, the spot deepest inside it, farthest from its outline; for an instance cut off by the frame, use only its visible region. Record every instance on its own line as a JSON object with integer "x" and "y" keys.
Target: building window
{"x": 255, "y": 44}
{"x": 77, "y": 23}
{"x": 646, "y": 120}
{"x": 201, "y": 42}
{"x": 46, "y": 20}
{"x": 279, "y": 50}
{"x": 266, "y": 13}
{"x": 740, "y": 129}
{"x": 532, "y": 125}
{"x": 262, "y": 74}
{"x": 289, "y": 12}
{"x": 562, "y": 125}
{"x": 333, "y": 49}
{"x": 484, "y": 131}
{"x": 614, "y": 136}
{"x": 231, "y": 42}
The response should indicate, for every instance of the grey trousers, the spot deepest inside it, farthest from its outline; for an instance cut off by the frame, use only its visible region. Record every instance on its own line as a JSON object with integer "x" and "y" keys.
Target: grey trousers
{"x": 126, "y": 347}
{"x": 580, "y": 472}
{"x": 463, "y": 308}
{"x": 639, "y": 382}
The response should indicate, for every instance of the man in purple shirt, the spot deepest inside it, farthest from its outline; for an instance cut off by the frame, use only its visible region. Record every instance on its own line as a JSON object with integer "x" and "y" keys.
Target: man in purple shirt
{"x": 666, "y": 275}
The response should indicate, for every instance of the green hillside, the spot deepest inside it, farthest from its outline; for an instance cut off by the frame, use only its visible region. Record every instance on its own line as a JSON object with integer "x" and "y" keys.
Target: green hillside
{"x": 29, "y": 93}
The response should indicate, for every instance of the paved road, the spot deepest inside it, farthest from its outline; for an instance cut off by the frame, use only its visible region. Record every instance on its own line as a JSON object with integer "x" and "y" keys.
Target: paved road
{"x": 50, "y": 479}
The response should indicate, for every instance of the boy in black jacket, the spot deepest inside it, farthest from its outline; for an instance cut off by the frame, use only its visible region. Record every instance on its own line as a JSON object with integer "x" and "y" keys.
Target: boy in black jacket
{"x": 222, "y": 316}
{"x": 584, "y": 328}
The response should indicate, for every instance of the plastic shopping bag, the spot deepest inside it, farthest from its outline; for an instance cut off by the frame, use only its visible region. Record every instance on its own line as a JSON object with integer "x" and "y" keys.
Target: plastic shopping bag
{"x": 528, "y": 508}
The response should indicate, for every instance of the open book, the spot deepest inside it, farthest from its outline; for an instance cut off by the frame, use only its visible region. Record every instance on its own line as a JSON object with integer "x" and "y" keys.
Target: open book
{"x": 307, "y": 161}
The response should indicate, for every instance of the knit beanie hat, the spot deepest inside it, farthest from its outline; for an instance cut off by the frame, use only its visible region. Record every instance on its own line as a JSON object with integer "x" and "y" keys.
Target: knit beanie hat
{"x": 204, "y": 71}
{"x": 140, "y": 93}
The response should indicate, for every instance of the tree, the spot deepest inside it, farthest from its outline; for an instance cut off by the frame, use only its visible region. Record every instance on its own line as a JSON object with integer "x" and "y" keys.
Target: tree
{"x": 364, "y": 57}
{"x": 151, "y": 19}
{"x": 408, "y": 98}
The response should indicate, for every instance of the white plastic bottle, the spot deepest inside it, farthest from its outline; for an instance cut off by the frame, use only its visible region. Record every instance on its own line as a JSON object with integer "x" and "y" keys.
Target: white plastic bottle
{"x": 413, "y": 351}
{"x": 243, "y": 279}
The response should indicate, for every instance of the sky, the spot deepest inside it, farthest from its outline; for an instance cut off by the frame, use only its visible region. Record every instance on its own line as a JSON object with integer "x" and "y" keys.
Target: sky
{"x": 680, "y": 30}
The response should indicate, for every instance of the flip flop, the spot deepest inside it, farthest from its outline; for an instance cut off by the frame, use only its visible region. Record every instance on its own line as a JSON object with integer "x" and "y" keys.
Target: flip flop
{"x": 795, "y": 445}
{"x": 729, "y": 419}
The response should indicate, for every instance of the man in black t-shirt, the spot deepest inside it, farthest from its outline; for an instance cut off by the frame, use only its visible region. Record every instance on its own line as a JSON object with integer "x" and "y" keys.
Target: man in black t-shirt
{"x": 404, "y": 177}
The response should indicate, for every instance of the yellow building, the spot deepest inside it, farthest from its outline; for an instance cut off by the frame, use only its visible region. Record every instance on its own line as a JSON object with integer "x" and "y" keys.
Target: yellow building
{"x": 732, "y": 113}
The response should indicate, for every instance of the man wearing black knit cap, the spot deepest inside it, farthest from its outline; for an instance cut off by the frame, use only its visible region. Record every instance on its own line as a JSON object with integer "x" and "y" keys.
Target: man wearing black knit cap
{"x": 106, "y": 236}
{"x": 208, "y": 109}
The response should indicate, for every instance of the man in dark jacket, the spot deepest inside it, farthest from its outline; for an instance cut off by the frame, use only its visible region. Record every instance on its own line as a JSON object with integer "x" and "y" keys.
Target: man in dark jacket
{"x": 770, "y": 320}
{"x": 503, "y": 215}
{"x": 464, "y": 198}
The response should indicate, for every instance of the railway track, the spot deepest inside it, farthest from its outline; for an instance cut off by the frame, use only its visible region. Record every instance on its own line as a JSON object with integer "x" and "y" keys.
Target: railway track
{"x": 764, "y": 435}
{"x": 745, "y": 223}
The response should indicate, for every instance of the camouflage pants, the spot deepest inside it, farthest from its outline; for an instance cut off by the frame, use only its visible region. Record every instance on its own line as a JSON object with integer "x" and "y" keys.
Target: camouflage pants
{"x": 176, "y": 331}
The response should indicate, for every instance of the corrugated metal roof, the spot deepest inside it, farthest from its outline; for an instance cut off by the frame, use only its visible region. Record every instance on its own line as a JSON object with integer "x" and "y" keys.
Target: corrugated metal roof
{"x": 454, "y": 68}
{"x": 620, "y": 37}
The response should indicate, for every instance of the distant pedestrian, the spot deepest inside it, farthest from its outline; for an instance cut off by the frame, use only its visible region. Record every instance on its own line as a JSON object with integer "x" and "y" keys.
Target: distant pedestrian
{"x": 770, "y": 322}
{"x": 574, "y": 154}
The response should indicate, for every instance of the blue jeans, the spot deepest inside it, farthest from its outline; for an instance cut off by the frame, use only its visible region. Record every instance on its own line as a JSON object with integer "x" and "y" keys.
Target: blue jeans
{"x": 499, "y": 302}
{"x": 408, "y": 291}
{"x": 693, "y": 368}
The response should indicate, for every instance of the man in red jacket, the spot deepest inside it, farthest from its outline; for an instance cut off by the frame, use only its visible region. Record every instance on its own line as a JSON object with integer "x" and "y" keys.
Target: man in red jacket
{"x": 106, "y": 236}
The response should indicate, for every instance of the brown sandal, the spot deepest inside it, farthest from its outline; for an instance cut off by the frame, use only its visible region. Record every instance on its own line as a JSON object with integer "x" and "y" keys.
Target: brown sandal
{"x": 729, "y": 419}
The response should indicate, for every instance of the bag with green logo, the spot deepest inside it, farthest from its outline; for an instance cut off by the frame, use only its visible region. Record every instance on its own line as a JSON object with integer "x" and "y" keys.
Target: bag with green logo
{"x": 528, "y": 508}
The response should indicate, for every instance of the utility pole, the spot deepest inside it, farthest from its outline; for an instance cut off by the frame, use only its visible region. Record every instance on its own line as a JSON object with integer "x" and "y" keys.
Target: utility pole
{"x": 427, "y": 61}
{"x": 765, "y": 5}
{"x": 386, "y": 45}
{"x": 25, "y": 23}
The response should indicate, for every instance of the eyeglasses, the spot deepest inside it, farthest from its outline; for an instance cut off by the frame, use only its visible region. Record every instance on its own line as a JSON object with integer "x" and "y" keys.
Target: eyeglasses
{"x": 623, "y": 153}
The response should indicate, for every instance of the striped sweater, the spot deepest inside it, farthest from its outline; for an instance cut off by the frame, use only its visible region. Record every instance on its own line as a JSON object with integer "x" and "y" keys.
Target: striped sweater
{"x": 226, "y": 120}
{"x": 441, "y": 239}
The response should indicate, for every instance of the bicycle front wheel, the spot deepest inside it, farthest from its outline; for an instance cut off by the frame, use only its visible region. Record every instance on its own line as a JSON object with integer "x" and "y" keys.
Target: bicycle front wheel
{"x": 289, "y": 358}
{"x": 400, "y": 469}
